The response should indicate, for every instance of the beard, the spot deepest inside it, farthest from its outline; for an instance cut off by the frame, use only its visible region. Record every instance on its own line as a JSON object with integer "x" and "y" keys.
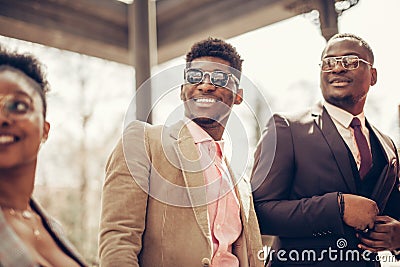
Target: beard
{"x": 346, "y": 101}
{"x": 204, "y": 121}
{"x": 345, "y": 98}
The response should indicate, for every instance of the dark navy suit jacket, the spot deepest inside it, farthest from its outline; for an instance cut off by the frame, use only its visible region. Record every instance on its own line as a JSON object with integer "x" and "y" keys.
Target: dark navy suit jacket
{"x": 301, "y": 163}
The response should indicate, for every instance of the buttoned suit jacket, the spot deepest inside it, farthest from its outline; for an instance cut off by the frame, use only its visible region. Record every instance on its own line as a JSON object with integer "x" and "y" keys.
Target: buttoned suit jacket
{"x": 14, "y": 253}
{"x": 154, "y": 210}
{"x": 297, "y": 199}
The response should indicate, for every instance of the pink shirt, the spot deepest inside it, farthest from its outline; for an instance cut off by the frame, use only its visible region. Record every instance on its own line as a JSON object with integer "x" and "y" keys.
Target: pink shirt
{"x": 223, "y": 205}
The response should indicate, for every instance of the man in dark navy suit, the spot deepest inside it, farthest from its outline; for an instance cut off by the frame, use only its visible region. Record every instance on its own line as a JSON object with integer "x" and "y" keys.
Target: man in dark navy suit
{"x": 330, "y": 194}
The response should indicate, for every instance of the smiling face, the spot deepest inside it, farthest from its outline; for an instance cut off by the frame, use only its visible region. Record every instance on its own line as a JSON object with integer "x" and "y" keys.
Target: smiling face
{"x": 206, "y": 104}
{"x": 347, "y": 89}
{"x": 22, "y": 123}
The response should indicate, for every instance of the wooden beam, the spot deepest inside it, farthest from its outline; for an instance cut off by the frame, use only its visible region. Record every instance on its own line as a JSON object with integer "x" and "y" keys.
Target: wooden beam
{"x": 223, "y": 18}
{"x": 82, "y": 28}
{"x": 100, "y": 27}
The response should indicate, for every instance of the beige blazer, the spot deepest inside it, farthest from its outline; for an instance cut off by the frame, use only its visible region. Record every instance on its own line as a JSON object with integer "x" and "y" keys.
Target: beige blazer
{"x": 153, "y": 204}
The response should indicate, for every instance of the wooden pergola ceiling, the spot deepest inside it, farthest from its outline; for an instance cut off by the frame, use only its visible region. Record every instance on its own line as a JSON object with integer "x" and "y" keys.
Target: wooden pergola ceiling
{"x": 100, "y": 28}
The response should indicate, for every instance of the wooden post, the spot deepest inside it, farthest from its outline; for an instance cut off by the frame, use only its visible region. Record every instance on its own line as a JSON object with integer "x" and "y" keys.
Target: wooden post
{"x": 328, "y": 18}
{"x": 143, "y": 51}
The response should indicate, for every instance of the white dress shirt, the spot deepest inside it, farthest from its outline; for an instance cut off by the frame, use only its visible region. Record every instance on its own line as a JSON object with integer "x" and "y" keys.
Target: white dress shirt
{"x": 342, "y": 120}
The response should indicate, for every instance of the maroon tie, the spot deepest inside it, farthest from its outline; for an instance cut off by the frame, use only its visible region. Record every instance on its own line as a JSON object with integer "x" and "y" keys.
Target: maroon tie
{"x": 363, "y": 148}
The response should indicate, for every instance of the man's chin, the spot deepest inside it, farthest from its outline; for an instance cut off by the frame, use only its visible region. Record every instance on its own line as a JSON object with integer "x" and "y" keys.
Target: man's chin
{"x": 341, "y": 101}
{"x": 204, "y": 121}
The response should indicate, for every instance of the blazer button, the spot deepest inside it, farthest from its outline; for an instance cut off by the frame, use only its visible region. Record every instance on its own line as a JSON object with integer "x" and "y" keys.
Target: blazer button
{"x": 206, "y": 262}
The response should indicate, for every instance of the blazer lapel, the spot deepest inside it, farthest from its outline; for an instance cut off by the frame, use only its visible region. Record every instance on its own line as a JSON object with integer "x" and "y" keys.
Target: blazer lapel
{"x": 336, "y": 145}
{"x": 188, "y": 156}
{"x": 387, "y": 179}
{"x": 385, "y": 144}
{"x": 58, "y": 233}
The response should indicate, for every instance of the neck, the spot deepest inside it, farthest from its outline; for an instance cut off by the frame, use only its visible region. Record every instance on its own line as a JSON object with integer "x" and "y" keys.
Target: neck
{"x": 352, "y": 108}
{"x": 16, "y": 186}
{"x": 214, "y": 132}
{"x": 214, "y": 129}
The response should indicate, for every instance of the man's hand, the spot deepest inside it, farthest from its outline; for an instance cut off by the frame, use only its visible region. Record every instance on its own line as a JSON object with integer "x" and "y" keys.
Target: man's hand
{"x": 359, "y": 212}
{"x": 384, "y": 236}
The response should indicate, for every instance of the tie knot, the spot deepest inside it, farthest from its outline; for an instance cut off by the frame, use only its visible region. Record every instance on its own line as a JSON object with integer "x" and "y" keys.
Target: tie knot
{"x": 355, "y": 122}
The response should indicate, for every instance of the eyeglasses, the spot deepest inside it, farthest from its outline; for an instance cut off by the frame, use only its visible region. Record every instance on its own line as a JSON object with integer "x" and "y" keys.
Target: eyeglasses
{"x": 217, "y": 77}
{"x": 350, "y": 62}
{"x": 15, "y": 106}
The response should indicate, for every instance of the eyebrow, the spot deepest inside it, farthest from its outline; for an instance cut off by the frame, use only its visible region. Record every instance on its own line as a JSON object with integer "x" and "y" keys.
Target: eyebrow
{"x": 202, "y": 69}
{"x": 348, "y": 54}
{"x": 18, "y": 93}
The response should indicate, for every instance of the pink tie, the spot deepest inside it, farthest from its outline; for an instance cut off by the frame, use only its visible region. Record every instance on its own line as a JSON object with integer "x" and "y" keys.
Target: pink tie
{"x": 363, "y": 148}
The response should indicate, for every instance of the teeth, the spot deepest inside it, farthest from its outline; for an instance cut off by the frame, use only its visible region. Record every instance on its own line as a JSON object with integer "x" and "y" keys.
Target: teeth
{"x": 339, "y": 80}
{"x": 4, "y": 139}
{"x": 205, "y": 100}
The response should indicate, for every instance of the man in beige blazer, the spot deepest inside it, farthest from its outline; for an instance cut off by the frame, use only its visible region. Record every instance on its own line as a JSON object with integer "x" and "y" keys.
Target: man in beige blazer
{"x": 156, "y": 201}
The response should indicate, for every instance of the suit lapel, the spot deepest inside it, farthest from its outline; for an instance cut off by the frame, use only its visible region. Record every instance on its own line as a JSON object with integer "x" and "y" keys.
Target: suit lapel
{"x": 188, "y": 156}
{"x": 387, "y": 179}
{"x": 385, "y": 144}
{"x": 336, "y": 145}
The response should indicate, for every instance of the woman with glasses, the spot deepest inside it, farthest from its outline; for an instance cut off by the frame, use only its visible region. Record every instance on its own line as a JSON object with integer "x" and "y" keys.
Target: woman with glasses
{"x": 28, "y": 236}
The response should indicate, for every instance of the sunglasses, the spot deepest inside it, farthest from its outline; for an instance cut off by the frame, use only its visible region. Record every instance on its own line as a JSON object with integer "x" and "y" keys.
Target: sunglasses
{"x": 350, "y": 62}
{"x": 16, "y": 107}
{"x": 217, "y": 77}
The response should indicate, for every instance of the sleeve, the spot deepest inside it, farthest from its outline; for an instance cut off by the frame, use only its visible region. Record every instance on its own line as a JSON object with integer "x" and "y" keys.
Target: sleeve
{"x": 124, "y": 200}
{"x": 274, "y": 172}
{"x": 392, "y": 208}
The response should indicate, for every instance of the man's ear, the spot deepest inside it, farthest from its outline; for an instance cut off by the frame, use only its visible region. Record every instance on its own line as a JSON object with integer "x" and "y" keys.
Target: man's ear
{"x": 238, "y": 97}
{"x": 374, "y": 76}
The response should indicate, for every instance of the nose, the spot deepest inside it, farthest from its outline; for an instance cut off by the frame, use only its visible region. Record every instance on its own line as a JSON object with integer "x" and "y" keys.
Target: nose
{"x": 4, "y": 118}
{"x": 339, "y": 67}
{"x": 206, "y": 85}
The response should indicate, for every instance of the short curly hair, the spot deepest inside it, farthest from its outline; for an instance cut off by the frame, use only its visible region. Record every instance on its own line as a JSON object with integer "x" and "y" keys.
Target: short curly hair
{"x": 356, "y": 38}
{"x": 214, "y": 47}
{"x": 31, "y": 66}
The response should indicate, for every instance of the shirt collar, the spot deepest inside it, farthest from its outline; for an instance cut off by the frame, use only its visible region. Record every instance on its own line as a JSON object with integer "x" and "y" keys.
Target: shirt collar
{"x": 342, "y": 116}
{"x": 199, "y": 135}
